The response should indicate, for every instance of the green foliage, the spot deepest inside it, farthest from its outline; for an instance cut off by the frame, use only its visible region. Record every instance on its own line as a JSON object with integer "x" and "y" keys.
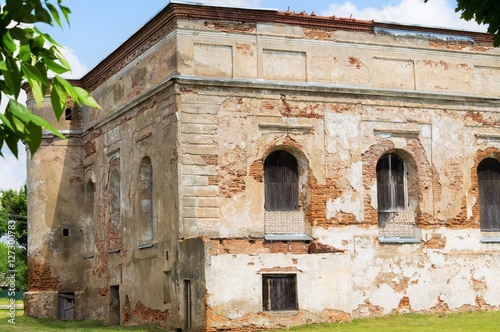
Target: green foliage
{"x": 28, "y": 54}
{"x": 13, "y": 206}
{"x": 13, "y": 227}
{"x": 483, "y": 12}
{"x": 15, "y": 255}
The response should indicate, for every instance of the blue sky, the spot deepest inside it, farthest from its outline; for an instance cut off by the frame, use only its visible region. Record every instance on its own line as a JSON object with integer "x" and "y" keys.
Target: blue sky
{"x": 99, "y": 26}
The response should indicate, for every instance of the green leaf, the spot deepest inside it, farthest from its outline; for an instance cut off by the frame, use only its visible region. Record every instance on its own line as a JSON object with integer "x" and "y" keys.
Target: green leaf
{"x": 19, "y": 34}
{"x": 24, "y": 53}
{"x": 42, "y": 15}
{"x": 68, "y": 88}
{"x": 55, "y": 67}
{"x": 65, "y": 11}
{"x": 61, "y": 58}
{"x": 12, "y": 77}
{"x": 15, "y": 75}
{"x": 9, "y": 46}
{"x": 86, "y": 98}
{"x": 6, "y": 122}
{"x": 58, "y": 96}
{"x": 55, "y": 13}
{"x": 46, "y": 36}
{"x": 26, "y": 122}
{"x": 12, "y": 144}
{"x": 18, "y": 10}
{"x": 35, "y": 80}
{"x": 33, "y": 136}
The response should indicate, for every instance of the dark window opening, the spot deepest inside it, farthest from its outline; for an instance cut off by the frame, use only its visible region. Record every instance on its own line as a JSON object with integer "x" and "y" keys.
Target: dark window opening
{"x": 146, "y": 201}
{"x": 114, "y": 305}
{"x": 187, "y": 303}
{"x": 279, "y": 292}
{"x": 488, "y": 175}
{"x": 391, "y": 187}
{"x": 66, "y": 306}
{"x": 281, "y": 179}
{"x": 88, "y": 220}
{"x": 67, "y": 114}
{"x": 65, "y": 232}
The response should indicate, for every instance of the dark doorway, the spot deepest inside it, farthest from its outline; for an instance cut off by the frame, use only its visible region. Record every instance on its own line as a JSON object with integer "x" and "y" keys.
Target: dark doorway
{"x": 114, "y": 305}
{"x": 66, "y": 306}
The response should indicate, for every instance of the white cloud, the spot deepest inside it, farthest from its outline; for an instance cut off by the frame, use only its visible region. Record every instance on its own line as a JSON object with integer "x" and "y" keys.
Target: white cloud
{"x": 78, "y": 69}
{"x": 438, "y": 13}
{"x": 12, "y": 170}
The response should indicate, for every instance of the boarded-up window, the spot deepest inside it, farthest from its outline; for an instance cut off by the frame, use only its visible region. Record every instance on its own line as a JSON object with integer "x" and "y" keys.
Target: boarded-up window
{"x": 145, "y": 201}
{"x": 281, "y": 178}
{"x": 279, "y": 292}
{"x": 391, "y": 187}
{"x": 488, "y": 174}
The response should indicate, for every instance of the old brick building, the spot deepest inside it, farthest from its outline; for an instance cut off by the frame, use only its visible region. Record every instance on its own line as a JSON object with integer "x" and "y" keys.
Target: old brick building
{"x": 254, "y": 169}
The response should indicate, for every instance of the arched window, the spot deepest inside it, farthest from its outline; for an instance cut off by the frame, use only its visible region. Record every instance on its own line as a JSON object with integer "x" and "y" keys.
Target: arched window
{"x": 392, "y": 194}
{"x": 488, "y": 175}
{"x": 283, "y": 216}
{"x": 281, "y": 178}
{"x": 88, "y": 219}
{"x": 145, "y": 197}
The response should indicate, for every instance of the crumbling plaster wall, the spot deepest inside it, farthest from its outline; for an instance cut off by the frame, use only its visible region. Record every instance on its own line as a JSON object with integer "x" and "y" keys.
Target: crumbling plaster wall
{"x": 338, "y": 100}
{"x": 342, "y": 152}
{"x": 289, "y": 53}
{"x": 342, "y": 131}
{"x": 53, "y": 255}
{"x": 141, "y": 270}
{"x": 138, "y": 119}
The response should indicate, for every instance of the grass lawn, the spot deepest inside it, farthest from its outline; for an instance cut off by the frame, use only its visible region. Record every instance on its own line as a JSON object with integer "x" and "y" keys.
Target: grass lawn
{"x": 484, "y": 321}
{"x": 7, "y": 301}
{"x": 462, "y": 322}
{"x": 29, "y": 324}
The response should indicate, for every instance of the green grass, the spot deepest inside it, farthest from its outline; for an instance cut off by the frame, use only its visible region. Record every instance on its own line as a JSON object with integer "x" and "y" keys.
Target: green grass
{"x": 29, "y": 324}
{"x": 485, "y": 321}
{"x": 488, "y": 321}
{"x": 7, "y": 301}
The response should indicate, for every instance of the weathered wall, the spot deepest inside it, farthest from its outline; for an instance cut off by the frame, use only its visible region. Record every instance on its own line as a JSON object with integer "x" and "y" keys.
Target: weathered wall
{"x": 277, "y": 52}
{"x": 340, "y": 132}
{"x": 144, "y": 272}
{"x": 341, "y": 138}
{"x": 138, "y": 120}
{"x": 206, "y": 101}
{"x": 54, "y": 253}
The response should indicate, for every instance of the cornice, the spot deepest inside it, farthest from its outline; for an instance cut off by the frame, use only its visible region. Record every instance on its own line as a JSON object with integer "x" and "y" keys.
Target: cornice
{"x": 166, "y": 21}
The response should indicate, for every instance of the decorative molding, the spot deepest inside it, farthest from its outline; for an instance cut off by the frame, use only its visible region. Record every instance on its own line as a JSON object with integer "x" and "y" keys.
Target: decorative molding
{"x": 285, "y": 128}
{"x": 488, "y": 137}
{"x": 386, "y": 133}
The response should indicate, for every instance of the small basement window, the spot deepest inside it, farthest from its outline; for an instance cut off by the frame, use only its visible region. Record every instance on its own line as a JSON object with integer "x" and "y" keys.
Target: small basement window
{"x": 279, "y": 292}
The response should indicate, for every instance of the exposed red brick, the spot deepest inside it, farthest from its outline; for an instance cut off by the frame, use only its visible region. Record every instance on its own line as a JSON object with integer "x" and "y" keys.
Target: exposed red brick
{"x": 319, "y": 248}
{"x": 141, "y": 314}
{"x": 228, "y": 26}
{"x": 39, "y": 275}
